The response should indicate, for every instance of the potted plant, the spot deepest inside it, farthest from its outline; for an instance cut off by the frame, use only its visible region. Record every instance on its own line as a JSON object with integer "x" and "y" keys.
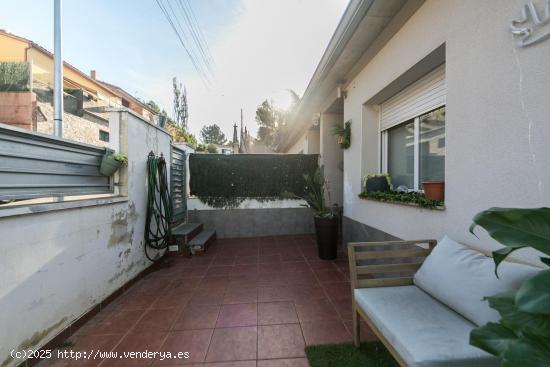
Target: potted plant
{"x": 434, "y": 190}
{"x": 521, "y": 337}
{"x": 111, "y": 162}
{"x": 377, "y": 182}
{"x": 343, "y": 134}
{"x": 326, "y": 221}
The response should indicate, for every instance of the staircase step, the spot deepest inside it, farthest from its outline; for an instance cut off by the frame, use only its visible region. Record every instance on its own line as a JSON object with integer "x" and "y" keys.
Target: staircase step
{"x": 201, "y": 241}
{"x": 187, "y": 230}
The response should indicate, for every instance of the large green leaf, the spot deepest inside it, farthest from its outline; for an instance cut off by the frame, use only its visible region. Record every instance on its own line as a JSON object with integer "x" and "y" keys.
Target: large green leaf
{"x": 492, "y": 338}
{"x": 534, "y": 294}
{"x": 516, "y": 228}
{"x": 519, "y": 321}
{"x": 526, "y": 353}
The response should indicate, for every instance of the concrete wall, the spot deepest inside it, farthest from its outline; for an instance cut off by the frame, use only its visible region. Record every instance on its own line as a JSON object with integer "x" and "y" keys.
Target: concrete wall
{"x": 58, "y": 262}
{"x": 497, "y": 130}
{"x": 253, "y": 218}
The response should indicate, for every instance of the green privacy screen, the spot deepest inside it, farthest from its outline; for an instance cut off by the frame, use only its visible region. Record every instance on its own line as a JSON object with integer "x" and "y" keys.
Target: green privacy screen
{"x": 226, "y": 180}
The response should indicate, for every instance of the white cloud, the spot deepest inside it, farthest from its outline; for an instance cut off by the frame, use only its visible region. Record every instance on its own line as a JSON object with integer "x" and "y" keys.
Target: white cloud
{"x": 272, "y": 47}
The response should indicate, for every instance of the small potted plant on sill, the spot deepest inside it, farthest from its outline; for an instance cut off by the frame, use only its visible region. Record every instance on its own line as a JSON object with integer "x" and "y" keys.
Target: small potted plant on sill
{"x": 377, "y": 182}
{"x": 326, "y": 220}
{"x": 434, "y": 190}
{"x": 111, "y": 162}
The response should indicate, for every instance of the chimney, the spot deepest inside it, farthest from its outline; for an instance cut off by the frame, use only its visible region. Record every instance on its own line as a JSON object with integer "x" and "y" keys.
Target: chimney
{"x": 93, "y": 74}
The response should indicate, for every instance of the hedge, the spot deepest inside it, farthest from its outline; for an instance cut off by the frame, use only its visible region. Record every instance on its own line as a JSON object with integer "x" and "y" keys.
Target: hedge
{"x": 14, "y": 77}
{"x": 224, "y": 181}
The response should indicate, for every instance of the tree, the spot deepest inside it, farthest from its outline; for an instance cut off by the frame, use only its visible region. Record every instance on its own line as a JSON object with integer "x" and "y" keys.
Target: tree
{"x": 181, "y": 112}
{"x": 212, "y": 134}
{"x": 272, "y": 121}
{"x": 212, "y": 148}
{"x": 154, "y": 106}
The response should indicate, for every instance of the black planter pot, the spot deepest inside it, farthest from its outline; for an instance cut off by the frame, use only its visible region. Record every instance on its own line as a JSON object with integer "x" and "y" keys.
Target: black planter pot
{"x": 377, "y": 184}
{"x": 326, "y": 231}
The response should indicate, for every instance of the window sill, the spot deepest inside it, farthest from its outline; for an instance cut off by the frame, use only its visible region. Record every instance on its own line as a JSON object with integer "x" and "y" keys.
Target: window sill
{"x": 27, "y": 209}
{"x": 404, "y": 203}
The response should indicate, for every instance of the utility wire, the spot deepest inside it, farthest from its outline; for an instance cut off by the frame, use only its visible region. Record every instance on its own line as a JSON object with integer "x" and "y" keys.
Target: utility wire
{"x": 197, "y": 28}
{"x": 173, "y": 21}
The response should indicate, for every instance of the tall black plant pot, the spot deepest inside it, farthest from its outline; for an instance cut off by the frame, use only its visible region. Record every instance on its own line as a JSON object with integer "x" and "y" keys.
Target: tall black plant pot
{"x": 326, "y": 230}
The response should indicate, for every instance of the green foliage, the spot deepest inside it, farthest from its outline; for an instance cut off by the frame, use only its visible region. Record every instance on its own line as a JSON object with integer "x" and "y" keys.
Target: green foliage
{"x": 200, "y": 148}
{"x": 522, "y": 337}
{"x": 212, "y": 148}
{"x": 154, "y": 106}
{"x": 314, "y": 194}
{"x": 346, "y": 355}
{"x": 212, "y": 134}
{"x": 272, "y": 121}
{"x": 224, "y": 181}
{"x": 120, "y": 158}
{"x": 181, "y": 111}
{"x": 15, "y": 77}
{"x": 403, "y": 197}
{"x": 343, "y": 133}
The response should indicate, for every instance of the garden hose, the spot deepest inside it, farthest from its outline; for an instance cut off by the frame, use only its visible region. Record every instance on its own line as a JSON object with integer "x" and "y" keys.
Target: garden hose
{"x": 159, "y": 208}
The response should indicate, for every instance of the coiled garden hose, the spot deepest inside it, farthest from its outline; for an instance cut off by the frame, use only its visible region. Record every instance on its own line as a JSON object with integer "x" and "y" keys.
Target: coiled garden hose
{"x": 159, "y": 208}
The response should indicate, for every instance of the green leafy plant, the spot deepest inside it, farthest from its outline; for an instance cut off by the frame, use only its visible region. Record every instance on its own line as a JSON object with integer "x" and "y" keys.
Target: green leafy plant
{"x": 343, "y": 133}
{"x": 120, "y": 158}
{"x": 15, "y": 76}
{"x": 522, "y": 337}
{"x": 374, "y": 175}
{"x": 403, "y": 197}
{"x": 315, "y": 193}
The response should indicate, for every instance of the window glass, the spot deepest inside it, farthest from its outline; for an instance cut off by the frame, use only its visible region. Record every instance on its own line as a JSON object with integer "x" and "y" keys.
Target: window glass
{"x": 401, "y": 155}
{"x": 432, "y": 146}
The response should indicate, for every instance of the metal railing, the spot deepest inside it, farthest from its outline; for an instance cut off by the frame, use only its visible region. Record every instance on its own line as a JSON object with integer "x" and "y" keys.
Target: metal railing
{"x": 35, "y": 165}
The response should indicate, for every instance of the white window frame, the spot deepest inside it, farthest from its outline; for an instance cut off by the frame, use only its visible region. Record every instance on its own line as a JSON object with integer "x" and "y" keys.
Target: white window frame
{"x": 416, "y": 155}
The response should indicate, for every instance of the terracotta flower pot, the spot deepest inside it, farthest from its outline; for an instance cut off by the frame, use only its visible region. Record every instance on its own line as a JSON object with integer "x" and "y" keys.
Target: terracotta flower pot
{"x": 434, "y": 190}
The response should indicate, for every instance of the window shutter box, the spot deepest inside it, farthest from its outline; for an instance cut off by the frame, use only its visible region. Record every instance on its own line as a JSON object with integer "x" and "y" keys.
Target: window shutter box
{"x": 424, "y": 95}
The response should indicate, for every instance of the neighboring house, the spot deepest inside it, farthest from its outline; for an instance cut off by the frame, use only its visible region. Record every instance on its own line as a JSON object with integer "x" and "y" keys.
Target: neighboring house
{"x": 434, "y": 90}
{"x": 85, "y": 98}
{"x": 129, "y": 101}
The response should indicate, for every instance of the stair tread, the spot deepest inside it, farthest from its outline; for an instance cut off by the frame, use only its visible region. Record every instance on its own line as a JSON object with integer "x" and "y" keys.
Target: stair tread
{"x": 203, "y": 237}
{"x": 185, "y": 229}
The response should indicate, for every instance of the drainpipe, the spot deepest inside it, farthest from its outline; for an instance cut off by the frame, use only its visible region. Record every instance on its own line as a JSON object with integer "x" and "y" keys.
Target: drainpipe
{"x": 58, "y": 72}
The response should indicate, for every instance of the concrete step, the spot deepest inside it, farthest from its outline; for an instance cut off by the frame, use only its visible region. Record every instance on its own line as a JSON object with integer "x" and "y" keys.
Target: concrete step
{"x": 201, "y": 241}
{"x": 187, "y": 231}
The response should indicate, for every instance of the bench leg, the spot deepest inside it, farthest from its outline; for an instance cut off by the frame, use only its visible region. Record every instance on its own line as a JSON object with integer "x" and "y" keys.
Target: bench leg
{"x": 356, "y": 328}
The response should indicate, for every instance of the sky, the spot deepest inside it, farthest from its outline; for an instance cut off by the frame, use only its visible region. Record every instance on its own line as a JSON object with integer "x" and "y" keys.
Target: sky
{"x": 260, "y": 49}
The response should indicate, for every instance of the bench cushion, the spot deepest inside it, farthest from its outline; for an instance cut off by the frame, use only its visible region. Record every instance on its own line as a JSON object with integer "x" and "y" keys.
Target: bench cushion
{"x": 422, "y": 330}
{"x": 460, "y": 277}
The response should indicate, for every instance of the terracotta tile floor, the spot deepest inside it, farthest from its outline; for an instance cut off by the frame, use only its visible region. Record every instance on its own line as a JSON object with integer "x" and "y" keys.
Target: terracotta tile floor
{"x": 246, "y": 302}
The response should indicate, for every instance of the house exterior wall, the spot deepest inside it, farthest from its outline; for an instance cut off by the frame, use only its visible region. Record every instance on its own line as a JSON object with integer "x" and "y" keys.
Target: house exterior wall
{"x": 497, "y": 130}
{"x": 57, "y": 265}
{"x": 331, "y": 156}
{"x": 12, "y": 49}
{"x": 309, "y": 143}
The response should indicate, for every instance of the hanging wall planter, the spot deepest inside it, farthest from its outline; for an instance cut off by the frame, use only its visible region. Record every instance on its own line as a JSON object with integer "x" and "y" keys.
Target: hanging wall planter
{"x": 110, "y": 163}
{"x": 343, "y": 134}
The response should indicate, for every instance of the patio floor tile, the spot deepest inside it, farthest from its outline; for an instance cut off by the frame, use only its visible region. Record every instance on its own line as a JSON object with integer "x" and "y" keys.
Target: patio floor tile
{"x": 197, "y": 317}
{"x": 325, "y": 332}
{"x": 233, "y": 344}
{"x": 318, "y": 310}
{"x": 243, "y": 300}
{"x": 276, "y": 313}
{"x": 243, "y": 314}
{"x": 193, "y": 341}
{"x": 294, "y": 362}
{"x": 280, "y": 341}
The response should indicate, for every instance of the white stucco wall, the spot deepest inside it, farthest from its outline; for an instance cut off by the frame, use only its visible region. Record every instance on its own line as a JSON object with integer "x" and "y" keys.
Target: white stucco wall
{"x": 332, "y": 156}
{"x": 57, "y": 265}
{"x": 308, "y": 143}
{"x": 497, "y": 121}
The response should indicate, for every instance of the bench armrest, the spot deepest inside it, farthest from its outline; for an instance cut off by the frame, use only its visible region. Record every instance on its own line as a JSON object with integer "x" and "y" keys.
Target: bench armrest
{"x": 409, "y": 252}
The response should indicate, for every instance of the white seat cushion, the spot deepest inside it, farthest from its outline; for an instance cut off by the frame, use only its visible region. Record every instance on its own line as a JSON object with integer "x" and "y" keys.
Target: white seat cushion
{"x": 423, "y": 331}
{"x": 460, "y": 277}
